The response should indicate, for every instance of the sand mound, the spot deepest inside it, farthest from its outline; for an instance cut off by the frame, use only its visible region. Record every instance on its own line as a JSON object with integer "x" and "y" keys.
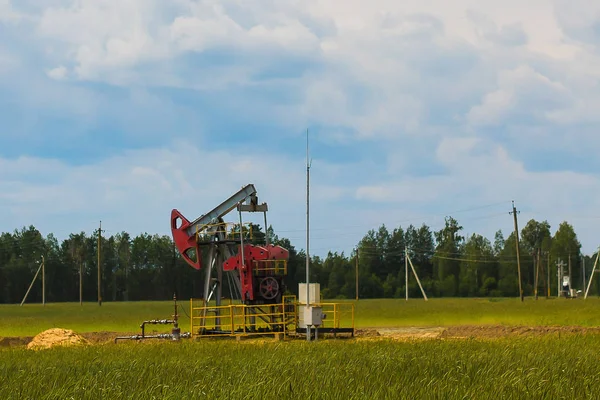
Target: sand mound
{"x": 56, "y": 337}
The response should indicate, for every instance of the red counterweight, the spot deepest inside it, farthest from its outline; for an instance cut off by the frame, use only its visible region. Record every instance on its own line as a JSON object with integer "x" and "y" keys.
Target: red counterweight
{"x": 183, "y": 241}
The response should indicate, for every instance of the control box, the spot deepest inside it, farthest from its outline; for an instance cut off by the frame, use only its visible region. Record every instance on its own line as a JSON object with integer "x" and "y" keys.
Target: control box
{"x": 313, "y": 316}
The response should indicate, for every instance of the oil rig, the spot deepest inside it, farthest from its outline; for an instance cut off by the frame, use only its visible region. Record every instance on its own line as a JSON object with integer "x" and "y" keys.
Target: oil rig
{"x": 255, "y": 274}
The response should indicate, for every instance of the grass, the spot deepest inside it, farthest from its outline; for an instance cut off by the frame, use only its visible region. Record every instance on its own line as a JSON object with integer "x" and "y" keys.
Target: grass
{"x": 32, "y": 319}
{"x": 449, "y": 312}
{"x": 549, "y": 367}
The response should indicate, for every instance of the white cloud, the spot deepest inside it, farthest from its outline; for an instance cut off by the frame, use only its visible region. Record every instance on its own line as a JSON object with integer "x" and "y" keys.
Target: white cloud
{"x": 8, "y": 13}
{"x": 478, "y": 173}
{"x": 136, "y": 191}
{"x": 398, "y": 63}
{"x": 579, "y": 20}
{"x": 458, "y": 86}
{"x": 58, "y": 73}
{"x": 524, "y": 91}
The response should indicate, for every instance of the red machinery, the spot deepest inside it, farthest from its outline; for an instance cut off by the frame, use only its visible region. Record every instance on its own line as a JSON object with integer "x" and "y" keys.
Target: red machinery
{"x": 255, "y": 274}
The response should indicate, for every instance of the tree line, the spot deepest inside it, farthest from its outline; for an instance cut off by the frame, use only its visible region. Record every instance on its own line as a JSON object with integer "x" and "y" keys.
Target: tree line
{"x": 149, "y": 267}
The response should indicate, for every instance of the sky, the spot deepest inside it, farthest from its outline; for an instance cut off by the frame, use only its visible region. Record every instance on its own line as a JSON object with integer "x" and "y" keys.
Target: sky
{"x": 121, "y": 110}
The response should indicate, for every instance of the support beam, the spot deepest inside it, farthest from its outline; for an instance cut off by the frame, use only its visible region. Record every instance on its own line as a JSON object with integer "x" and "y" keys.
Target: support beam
{"x": 32, "y": 282}
{"x": 222, "y": 209}
{"x": 416, "y": 276}
{"x": 592, "y": 275}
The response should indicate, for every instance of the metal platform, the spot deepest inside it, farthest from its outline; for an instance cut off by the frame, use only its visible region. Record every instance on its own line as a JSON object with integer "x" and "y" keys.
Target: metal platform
{"x": 269, "y": 319}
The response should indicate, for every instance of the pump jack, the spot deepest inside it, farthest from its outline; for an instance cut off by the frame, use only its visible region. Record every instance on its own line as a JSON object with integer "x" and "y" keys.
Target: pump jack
{"x": 256, "y": 271}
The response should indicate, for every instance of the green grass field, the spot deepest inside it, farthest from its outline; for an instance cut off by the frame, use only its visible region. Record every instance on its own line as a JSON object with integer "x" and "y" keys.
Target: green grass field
{"x": 554, "y": 365}
{"x": 31, "y": 319}
{"x": 540, "y": 368}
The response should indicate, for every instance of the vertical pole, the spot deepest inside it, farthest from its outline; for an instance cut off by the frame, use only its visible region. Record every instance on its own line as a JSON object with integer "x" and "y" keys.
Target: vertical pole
{"x": 548, "y": 281}
{"x": 592, "y": 274}
{"x": 537, "y": 272}
{"x": 99, "y": 269}
{"x": 356, "y": 273}
{"x": 307, "y": 234}
{"x": 266, "y": 229}
{"x": 559, "y": 273}
{"x": 241, "y": 238}
{"x": 406, "y": 271}
{"x": 558, "y": 278}
{"x": 80, "y": 282}
{"x": 218, "y": 289}
{"x": 43, "y": 281}
{"x": 583, "y": 270}
{"x": 570, "y": 277}
{"x": 514, "y": 213}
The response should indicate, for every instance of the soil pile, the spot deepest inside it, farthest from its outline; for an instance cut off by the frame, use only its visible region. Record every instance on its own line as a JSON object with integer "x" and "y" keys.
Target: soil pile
{"x": 56, "y": 337}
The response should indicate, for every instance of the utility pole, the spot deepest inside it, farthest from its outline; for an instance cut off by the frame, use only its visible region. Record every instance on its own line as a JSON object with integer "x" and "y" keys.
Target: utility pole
{"x": 80, "y": 282}
{"x": 559, "y": 271}
{"x": 548, "y": 280}
{"x": 99, "y": 268}
{"x": 356, "y": 273}
{"x": 43, "y": 281}
{"x": 583, "y": 270}
{"x": 514, "y": 213}
{"x": 570, "y": 277}
{"x": 537, "y": 272}
{"x": 406, "y": 271}
{"x": 542, "y": 272}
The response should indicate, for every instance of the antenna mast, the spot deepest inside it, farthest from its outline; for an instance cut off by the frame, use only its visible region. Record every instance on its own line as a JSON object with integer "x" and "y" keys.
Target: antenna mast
{"x": 307, "y": 233}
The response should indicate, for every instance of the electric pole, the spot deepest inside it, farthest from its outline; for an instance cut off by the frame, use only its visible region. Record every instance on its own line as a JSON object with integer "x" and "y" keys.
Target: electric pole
{"x": 514, "y": 213}
{"x": 548, "y": 280}
{"x": 537, "y": 271}
{"x": 583, "y": 270}
{"x": 80, "y": 282}
{"x": 406, "y": 271}
{"x": 356, "y": 274}
{"x": 560, "y": 272}
{"x": 43, "y": 281}
{"x": 570, "y": 276}
{"x": 99, "y": 269}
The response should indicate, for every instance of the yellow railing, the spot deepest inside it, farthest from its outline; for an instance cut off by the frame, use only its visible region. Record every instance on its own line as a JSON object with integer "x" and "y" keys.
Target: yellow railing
{"x": 242, "y": 320}
{"x": 291, "y": 312}
{"x": 338, "y": 315}
{"x": 270, "y": 267}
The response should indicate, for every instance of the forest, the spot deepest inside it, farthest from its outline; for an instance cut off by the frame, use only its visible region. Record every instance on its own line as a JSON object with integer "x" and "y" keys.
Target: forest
{"x": 149, "y": 267}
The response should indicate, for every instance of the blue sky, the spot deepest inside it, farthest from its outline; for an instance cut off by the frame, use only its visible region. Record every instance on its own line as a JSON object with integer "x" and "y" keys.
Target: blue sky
{"x": 123, "y": 110}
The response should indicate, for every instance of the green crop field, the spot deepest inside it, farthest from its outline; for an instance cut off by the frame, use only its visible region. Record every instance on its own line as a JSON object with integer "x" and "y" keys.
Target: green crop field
{"x": 559, "y": 364}
{"x": 551, "y": 367}
{"x": 31, "y": 319}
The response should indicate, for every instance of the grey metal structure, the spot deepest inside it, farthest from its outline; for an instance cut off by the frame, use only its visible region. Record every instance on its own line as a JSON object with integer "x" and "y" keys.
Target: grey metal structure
{"x": 221, "y": 248}
{"x": 246, "y": 193}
